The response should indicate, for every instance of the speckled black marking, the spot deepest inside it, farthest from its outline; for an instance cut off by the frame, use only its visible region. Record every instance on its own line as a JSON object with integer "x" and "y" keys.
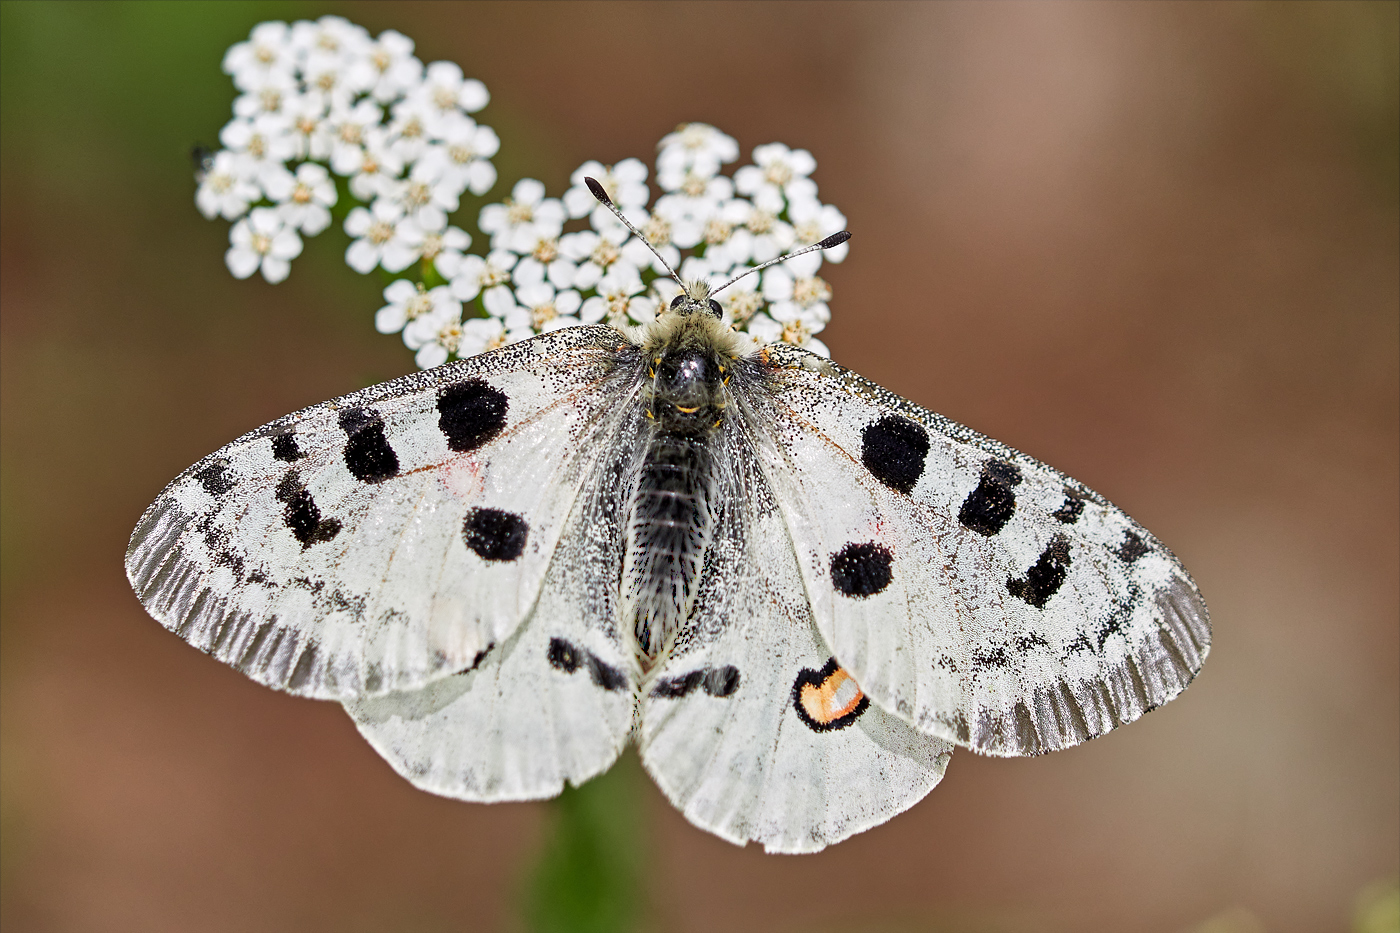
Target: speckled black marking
{"x": 301, "y": 515}
{"x": 215, "y": 478}
{"x": 604, "y": 675}
{"x": 367, "y": 452}
{"x": 567, "y": 657}
{"x": 470, "y": 414}
{"x": 722, "y": 681}
{"x": 990, "y": 657}
{"x": 990, "y": 506}
{"x": 494, "y": 534}
{"x": 564, "y": 656}
{"x": 894, "y": 449}
{"x": 481, "y": 656}
{"x": 1046, "y": 575}
{"x": 1132, "y": 547}
{"x": 284, "y": 448}
{"x": 816, "y": 679}
{"x": 861, "y": 570}
{"x": 1069, "y": 513}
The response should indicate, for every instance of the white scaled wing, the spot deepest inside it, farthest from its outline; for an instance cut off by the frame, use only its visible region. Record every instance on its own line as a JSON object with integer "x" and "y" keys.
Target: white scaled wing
{"x": 749, "y": 726}
{"x": 380, "y": 541}
{"x": 970, "y": 590}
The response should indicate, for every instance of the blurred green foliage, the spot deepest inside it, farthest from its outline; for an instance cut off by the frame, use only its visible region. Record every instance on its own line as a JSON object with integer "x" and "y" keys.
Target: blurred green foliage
{"x": 588, "y": 878}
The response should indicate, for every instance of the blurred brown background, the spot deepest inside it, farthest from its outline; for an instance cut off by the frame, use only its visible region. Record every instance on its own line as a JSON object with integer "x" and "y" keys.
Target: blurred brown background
{"x": 1155, "y": 245}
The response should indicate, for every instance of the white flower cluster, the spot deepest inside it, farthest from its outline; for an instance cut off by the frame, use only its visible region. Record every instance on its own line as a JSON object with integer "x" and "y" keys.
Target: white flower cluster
{"x": 399, "y": 137}
{"x": 324, "y": 94}
{"x": 537, "y": 277}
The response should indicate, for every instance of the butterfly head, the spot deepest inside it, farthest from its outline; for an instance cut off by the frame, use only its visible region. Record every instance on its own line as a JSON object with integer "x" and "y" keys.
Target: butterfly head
{"x": 696, "y": 300}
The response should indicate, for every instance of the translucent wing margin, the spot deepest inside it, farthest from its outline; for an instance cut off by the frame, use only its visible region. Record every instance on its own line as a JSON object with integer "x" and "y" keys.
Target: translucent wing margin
{"x": 971, "y": 590}
{"x": 384, "y": 539}
{"x": 748, "y": 726}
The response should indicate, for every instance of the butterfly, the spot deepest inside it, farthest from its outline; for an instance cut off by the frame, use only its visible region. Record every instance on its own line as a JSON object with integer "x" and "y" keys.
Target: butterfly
{"x": 793, "y": 590}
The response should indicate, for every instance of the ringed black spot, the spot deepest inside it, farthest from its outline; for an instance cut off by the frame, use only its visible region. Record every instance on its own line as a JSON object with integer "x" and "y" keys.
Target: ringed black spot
{"x": 564, "y": 656}
{"x": 301, "y": 515}
{"x": 828, "y": 699}
{"x": 215, "y": 478}
{"x": 861, "y": 570}
{"x": 989, "y": 507}
{"x": 1132, "y": 547}
{"x": 367, "y": 451}
{"x": 894, "y": 449}
{"x": 722, "y": 681}
{"x": 1046, "y": 575}
{"x": 470, "y": 414}
{"x": 1069, "y": 513}
{"x": 284, "y": 448}
{"x": 494, "y": 534}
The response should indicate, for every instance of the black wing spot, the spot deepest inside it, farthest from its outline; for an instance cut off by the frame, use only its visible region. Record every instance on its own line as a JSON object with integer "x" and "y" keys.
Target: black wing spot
{"x": 828, "y": 699}
{"x": 284, "y": 448}
{"x": 722, "y": 681}
{"x": 1046, "y": 575}
{"x": 1132, "y": 547}
{"x": 990, "y": 506}
{"x": 301, "y": 515}
{"x": 479, "y": 657}
{"x": 673, "y": 688}
{"x": 568, "y": 657}
{"x": 494, "y": 534}
{"x": 1069, "y": 513}
{"x": 564, "y": 656}
{"x": 861, "y": 570}
{"x": 215, "y": 478}
{"x": 894, "y": 449}
{"x": 470, "y": 414}
{"x": 367, "y": 451}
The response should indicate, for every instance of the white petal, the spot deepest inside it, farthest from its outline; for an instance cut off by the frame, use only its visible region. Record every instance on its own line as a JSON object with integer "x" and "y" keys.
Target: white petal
{"x": 358, "y": 222}
{"x": 361, "y": 256}
{"x": 499, "y": 301}
{"x": 285, "y": 245}
{"x": 242, "y": 262}
{"x": 397, "y": 256}
{"x": 274, "y": 269}
{"x": 432, "y": 354}
{"x": 567, "y": 302}
{"x": 527, "y": 191}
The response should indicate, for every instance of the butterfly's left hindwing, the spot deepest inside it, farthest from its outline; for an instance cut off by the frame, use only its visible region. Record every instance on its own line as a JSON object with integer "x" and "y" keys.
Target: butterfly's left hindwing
{"x": 382, "y": 540}
{"x": 971, "y": 590}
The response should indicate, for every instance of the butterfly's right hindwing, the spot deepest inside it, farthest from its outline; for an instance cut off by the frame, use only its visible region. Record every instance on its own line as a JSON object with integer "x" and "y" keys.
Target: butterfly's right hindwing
{"x": 385, "y": 539}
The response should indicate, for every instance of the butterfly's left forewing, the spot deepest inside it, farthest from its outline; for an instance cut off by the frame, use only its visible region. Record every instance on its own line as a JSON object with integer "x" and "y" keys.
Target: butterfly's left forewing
{"x": 973, "y": 591}
{"x": 749, "y": 726}
{"x": 385, "y": 539}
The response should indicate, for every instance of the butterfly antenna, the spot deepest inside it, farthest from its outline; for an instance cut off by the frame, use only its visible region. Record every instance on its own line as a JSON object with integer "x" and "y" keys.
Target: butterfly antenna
{"x": 606, "y": 201}
{"x": 836, "y": 239}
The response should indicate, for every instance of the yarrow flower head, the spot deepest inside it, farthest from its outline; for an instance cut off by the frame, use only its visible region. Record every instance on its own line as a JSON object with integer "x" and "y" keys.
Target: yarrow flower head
{"x": 332, "y": 122}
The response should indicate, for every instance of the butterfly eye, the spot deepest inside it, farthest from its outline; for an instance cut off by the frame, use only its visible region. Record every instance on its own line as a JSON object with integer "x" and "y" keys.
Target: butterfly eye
{"x": 676, "y": 301}
{"x": 716, "y": 309}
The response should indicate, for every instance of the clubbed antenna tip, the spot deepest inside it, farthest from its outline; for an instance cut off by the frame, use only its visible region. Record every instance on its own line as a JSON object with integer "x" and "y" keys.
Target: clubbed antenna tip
{"x": 836, "y": 239}
{"x": 598, "y": 191}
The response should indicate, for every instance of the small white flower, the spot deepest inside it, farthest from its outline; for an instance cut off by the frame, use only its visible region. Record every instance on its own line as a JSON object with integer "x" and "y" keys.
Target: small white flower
{"x": 386, "y": 67}
{"x": 657, "y": 231}
{"x": 740, "y": 301}
{"x": 379, "y": 240}
{"x": 448, "y": 93}
{"x": 329, "y": 36}
{"x": 227, "y": 188}
{"x": 462, "y": 153}
{"x": 616, "y": 293}
{"x": 549, "y": 309}
{"x": 596, "y": 256}
{"x": 624, "y": 182}
{"x": 480, "y": 334}
{"x": 761, "y": 238}
{"x": 409, "y": 129}
{"x": 408, "y": 302}
{"x": 813, "y": 222}
{"x": 475, "y": 274}
{"x": 696, "y": 147}
{"x": 376, "y": 168}
{"x": 268, "y": 49}
{"x": 435, "y": 337}
{"x": 525, "y": 218}
{"x": 266, "y": 141}
{"x": 311, "y": 137}
{"x": 796, "y": 296}
{"x": 262, "y": 240}
{"x": 349, "y": 128}
{"x": 266, "y": 92}
{"x": 789, "y": 324}
{"x": 306, "y": 198}
{"x": 428, "y": 196}
{"x": 778, "y": 177}
{"x": 444, "y": 249}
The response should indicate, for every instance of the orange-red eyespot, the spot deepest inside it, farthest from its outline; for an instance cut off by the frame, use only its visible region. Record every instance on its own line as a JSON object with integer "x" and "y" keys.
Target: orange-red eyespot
{"x": 827, "y": 699}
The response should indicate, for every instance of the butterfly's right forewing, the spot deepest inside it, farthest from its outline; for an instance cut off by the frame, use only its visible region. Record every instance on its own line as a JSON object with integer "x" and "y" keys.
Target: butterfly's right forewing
{"x": 379, "y": 541}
